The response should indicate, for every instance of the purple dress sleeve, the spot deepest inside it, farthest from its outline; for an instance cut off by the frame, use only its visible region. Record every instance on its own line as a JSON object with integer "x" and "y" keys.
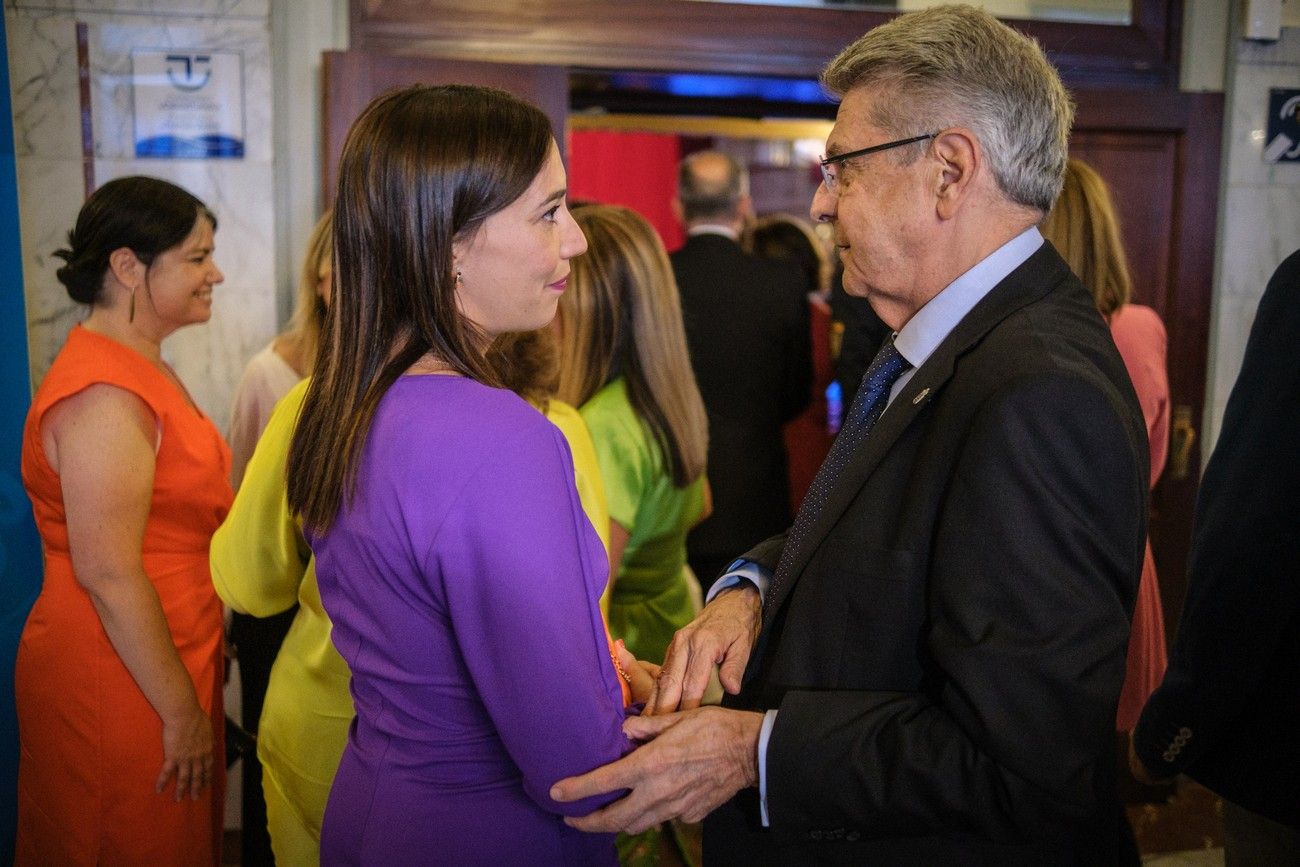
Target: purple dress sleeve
{"x": 522, "y": 570}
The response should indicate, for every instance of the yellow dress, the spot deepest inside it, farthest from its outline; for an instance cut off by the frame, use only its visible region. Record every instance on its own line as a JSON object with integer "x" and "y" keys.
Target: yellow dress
{"x": 261, "y": 565}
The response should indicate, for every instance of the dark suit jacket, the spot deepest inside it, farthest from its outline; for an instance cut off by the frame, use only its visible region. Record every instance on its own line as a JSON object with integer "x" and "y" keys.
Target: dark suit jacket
{"x": 747, "y": 328}
{"x": 948, "y": 654}
{"x": 1228, "y": 711}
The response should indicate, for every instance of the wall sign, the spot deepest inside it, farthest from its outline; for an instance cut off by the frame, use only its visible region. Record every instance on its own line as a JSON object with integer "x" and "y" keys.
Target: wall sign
{"x": 188, "y": 104}
{"x": 1282, "y": 142}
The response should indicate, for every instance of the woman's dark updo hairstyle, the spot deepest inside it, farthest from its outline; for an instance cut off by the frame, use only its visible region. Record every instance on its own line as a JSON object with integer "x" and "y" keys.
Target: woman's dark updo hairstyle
{"x": 145, "y": 215}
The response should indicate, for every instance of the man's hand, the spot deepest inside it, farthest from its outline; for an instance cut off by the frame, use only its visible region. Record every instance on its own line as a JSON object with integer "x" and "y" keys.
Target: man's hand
{"x": 723, "y": 634}
{"x": 694, "y": 762}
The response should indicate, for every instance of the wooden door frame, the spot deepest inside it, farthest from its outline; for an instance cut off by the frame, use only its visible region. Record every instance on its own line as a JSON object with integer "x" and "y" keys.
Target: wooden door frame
{"x": 1195, "y": 120}
{"x": 738, "y": 38}
{"x": 348, "y": 81}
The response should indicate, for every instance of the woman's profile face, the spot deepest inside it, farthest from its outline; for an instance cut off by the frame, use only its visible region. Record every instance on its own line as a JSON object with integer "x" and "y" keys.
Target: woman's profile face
{"x": 514, "y": 269}
{"x": 181, "y": 279}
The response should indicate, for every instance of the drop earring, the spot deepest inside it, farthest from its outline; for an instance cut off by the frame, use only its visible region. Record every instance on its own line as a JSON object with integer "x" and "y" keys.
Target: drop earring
{"x": 130, "y": 312}
{"x": 458, "y": 277}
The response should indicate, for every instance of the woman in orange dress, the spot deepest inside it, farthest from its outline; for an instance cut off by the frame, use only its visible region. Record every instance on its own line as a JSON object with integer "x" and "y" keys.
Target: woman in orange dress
{"x": 118, "y": 679}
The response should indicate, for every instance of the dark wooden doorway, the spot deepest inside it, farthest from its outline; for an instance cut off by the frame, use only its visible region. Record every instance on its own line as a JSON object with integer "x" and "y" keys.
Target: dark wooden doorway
{"x": 1159, "y": 152}
{"x": 353, "y": 78}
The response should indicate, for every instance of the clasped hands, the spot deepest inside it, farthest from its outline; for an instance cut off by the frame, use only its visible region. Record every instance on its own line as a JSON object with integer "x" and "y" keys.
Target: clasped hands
{"x": 692, "y": 758}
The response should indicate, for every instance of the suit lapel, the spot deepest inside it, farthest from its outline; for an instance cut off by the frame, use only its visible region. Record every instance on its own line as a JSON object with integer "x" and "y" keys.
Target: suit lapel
{"x": 1035, "y": 278}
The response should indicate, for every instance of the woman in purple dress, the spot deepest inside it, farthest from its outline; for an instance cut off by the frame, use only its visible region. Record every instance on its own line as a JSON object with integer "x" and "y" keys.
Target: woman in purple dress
{"x": 451, "y": 547}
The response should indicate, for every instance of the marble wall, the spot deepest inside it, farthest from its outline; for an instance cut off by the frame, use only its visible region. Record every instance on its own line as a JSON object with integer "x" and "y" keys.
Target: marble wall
{"x": 44, "y": 81}
{"x": 1259, "y": 210}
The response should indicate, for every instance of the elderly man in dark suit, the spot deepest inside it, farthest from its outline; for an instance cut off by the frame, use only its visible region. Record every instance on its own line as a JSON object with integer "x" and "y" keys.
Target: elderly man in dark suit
{"x": 1228, "y": 710}
{"x": 731, "y": 298}
{"x": 926, "y": 668}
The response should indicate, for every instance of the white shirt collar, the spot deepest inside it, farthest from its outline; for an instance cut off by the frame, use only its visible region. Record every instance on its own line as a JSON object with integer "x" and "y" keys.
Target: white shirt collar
{"x": 932, "y": 324}
{"x": 713, "y": 229}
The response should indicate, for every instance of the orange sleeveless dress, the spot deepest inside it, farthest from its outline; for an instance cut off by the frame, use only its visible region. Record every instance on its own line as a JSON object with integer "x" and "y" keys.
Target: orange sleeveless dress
{"x": 91, "y": 744}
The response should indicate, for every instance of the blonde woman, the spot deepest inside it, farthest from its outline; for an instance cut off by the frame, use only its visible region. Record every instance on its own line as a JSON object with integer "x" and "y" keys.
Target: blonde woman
{"x": 624, "y": 363}
{"x": 289, "y": 357}
{"x": 269, "y": 376}
{"x": 1084, "y": 228}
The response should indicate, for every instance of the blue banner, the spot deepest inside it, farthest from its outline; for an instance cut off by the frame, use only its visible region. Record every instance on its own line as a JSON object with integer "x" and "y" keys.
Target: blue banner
{"x": 20, "y": 548}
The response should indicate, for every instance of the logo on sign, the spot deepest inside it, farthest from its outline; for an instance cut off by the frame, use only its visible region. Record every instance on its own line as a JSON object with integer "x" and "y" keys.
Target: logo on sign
{"x": 1283, "y": 126}
{"x": 189, "y": 72}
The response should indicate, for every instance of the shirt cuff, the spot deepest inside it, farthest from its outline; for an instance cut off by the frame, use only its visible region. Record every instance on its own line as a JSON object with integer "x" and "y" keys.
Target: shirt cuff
{"x": 764, "y": 734}
{"x": 740, "y": 572}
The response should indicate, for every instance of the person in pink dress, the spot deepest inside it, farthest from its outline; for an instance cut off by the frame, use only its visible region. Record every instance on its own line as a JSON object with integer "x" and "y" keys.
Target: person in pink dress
{"x": 1084, "y": 228}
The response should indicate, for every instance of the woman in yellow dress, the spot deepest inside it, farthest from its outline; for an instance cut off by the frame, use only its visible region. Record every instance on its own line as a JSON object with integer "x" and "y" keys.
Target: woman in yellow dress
{"x": 268, "y": 377}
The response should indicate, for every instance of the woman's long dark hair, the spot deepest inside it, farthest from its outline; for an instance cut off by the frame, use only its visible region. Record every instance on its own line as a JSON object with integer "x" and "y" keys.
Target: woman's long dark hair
{"x": 421, "y": 167}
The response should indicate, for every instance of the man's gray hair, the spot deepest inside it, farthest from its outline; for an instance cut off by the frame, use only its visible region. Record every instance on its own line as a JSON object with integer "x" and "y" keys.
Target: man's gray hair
{"x": 959, "y": 66}
{"x": 705, "y": 198}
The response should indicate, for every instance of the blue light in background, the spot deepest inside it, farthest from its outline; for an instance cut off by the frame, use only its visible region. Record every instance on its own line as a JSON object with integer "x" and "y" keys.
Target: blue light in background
{"x": 796, "y": 90}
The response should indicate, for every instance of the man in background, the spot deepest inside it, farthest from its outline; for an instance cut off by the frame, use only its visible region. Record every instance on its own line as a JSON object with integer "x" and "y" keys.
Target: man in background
{"x": 748, "y": 334}
{"x": 1228, "y": 709}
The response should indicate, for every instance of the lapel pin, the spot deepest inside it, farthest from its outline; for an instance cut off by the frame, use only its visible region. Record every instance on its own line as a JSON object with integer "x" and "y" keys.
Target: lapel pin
{"x": 920, "y": 396}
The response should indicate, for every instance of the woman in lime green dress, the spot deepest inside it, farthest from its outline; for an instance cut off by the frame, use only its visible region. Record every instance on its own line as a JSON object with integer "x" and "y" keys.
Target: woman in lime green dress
{"x": 624, "y": 363}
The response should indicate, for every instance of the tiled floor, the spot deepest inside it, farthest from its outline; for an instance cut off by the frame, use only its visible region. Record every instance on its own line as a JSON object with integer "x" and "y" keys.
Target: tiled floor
{"x": 1195, "y": 858}
{"x": 1188, "y": 823}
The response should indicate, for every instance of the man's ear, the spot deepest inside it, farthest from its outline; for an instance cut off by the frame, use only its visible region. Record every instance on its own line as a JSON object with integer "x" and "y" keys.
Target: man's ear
{"x": 961, "y": 161}
{"x": 126, "y": 268}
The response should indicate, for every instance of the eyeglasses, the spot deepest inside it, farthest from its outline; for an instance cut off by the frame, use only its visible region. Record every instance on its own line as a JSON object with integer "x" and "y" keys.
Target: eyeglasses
{"x": 832, "y": 181}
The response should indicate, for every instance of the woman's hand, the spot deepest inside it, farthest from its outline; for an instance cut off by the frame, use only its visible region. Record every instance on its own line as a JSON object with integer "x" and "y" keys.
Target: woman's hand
{"x": 187, "y": 753}
{"x": 641, "y": 676}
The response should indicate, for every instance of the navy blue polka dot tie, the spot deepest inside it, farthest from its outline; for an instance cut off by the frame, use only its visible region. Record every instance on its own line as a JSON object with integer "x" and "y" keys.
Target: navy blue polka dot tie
{"x": 868, "y": 404}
